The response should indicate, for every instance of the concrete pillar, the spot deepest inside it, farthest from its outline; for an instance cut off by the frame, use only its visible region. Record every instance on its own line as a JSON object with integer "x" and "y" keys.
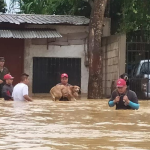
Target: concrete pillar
{"x": 122, "y": 54}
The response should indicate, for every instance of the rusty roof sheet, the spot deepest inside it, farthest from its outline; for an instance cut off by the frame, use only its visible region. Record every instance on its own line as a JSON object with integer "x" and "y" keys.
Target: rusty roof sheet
{"x": 43, "y": 19}
{"x": 29, "y": 34}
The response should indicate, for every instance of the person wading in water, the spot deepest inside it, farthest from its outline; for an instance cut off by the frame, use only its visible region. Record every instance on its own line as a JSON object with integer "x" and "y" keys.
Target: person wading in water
{"x": 3, "y": 72}
{"x": 123, "y": 98}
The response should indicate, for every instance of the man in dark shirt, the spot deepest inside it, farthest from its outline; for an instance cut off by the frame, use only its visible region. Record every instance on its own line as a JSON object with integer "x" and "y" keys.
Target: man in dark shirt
{"x": 123, "y": 98}
{"x": 7, "y": 88}
{"x": 3, "y": 71}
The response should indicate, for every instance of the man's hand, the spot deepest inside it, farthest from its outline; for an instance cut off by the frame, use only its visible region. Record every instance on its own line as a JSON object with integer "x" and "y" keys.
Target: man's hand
{"x": 126, "y": 100}
{"x": 117, "y": 99}
{"x": 1, "y": 81}
{"x": 27, "y": 98}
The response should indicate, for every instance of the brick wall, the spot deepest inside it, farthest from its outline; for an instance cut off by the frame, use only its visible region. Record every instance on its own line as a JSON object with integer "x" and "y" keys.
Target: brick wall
{"x": 114, "y": 50}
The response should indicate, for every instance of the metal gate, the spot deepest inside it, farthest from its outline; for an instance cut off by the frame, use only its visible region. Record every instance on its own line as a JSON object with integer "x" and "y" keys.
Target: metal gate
{"x": 138, "y": 68}
{"x": 47, "y": 71}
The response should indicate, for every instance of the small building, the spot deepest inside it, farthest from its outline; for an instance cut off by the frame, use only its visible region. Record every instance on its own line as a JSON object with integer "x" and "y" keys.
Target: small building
{"x": 44, "y": 46}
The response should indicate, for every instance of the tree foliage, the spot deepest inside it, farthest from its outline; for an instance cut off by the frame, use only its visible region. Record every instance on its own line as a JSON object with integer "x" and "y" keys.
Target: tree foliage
{"x": 135, "y": 15}
{"x": 2, "y": 6}
{"x": 131, "y": 15}
{"x": 57, "y": 7}
{"x": 127, "y": 15}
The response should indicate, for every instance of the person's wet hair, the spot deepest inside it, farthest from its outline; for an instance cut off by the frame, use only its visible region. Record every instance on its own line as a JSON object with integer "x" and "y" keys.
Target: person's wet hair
{"x": 24, "y": 76}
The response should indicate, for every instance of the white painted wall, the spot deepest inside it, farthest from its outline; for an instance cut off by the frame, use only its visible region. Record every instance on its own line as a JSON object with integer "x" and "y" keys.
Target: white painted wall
{"x": 71, "y": 51}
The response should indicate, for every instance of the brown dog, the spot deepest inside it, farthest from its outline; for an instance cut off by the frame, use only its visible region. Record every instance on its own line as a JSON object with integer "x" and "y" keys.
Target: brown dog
{"x": 70, "y": 92}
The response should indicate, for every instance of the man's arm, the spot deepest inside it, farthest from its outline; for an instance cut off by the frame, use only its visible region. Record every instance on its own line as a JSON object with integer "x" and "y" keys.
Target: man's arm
{"x": 134, "y": 105}
{"x": 112, "y": 101}
{"x": 6, "y": 94}
{"x": 27, "y": 98}
{"x": 133, "y": 101}
{"x": 25, "y": 94}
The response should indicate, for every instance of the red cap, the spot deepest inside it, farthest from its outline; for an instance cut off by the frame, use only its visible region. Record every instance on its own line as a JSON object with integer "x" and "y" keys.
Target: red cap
{"x": 8, "y": 76}
{"x": 121, "y": 82}
{"x": 64, "y": 75}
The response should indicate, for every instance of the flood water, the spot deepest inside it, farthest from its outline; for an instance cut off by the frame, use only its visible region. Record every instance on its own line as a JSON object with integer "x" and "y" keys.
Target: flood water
{"x": 81, "y": 125}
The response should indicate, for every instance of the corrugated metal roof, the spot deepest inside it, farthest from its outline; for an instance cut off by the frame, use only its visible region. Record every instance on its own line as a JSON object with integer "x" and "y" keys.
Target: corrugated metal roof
{"x": 29, "y": 34}
{"x": 43, "y": 19}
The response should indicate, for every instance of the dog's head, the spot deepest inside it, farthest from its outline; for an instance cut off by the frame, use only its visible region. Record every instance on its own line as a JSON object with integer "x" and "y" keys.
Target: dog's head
{"x": 75, "y": 88}
{"x": 124, "y": 76}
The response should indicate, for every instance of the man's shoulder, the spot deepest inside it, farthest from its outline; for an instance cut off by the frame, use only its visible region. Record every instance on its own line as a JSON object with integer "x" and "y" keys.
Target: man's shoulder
{"x": 131, "y": 92}
{"x": 20, "y": 85}
{"x": 5, "y": 86}
{"x": 62, "y": 84}
{"x": 12, "y": 86}
{"x": 115, "y": 92}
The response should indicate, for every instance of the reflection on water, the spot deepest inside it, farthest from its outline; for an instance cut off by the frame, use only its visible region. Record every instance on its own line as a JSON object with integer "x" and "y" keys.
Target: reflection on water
{"x": 82, "y": 125}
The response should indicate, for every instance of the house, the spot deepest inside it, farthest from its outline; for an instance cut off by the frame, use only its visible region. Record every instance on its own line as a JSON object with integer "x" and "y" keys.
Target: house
{"x": 44, "y": 46}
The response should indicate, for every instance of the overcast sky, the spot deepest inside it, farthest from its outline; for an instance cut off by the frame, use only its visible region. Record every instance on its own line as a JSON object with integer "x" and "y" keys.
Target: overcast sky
{"x": 8, "y": 3}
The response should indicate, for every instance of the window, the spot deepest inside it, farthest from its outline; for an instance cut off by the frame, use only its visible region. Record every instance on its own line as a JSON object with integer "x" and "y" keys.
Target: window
{"x": 145, "y": 69}
{"x": 135, "y": 70}
{"x": 47, "y": 71}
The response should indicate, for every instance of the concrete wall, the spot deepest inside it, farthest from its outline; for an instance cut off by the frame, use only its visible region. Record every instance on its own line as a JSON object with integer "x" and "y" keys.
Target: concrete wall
{"x": 106, "y": 27}
{"x": 114, "y": 50}
{"x": 72, "y": 45}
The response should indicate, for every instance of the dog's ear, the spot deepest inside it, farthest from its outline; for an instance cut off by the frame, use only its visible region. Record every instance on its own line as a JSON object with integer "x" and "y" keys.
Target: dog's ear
{"x": 125, "y": 78}
{"x": 122, "y": 75}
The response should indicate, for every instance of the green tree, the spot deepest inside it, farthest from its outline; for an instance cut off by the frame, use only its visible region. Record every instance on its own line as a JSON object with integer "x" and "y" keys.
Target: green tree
{"x": 57, "y": 7}
{"x": 130, "y": 15}
{"x": 135, "y": 15}
{"x": 2, "y": 6}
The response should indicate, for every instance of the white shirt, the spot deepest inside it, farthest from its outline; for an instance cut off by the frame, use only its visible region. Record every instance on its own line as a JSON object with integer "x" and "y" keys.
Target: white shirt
{"x": 19, "y": 91}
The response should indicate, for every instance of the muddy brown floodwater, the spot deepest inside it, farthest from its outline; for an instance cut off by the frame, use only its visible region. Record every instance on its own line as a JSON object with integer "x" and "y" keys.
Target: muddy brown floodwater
{"x": 81, "y": 125}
